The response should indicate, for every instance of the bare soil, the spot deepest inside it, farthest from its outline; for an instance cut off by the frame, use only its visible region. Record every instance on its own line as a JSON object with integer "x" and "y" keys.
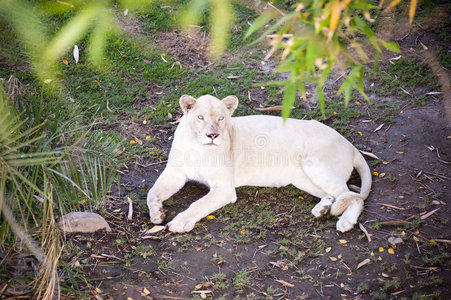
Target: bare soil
{"x": 292, "y": 255}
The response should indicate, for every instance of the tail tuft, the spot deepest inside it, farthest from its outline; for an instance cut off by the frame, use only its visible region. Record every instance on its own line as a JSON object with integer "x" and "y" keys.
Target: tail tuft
{"x": 344, "y": 200}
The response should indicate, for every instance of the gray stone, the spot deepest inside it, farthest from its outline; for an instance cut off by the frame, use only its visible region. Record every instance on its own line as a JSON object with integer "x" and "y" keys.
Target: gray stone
{"x": 83, "y": 222}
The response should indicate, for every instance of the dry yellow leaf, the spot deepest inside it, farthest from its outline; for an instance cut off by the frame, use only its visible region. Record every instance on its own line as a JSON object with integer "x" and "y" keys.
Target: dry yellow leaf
{"x": 333, "y": 258}
{"x": 340, "y": 256}
{"x": 146, "y": 292}
{"x": 211, "y": 217}
{"x": 385, "y": 275}
{"x": 364, "y": 262}
{"x": 412, "y": 9}
{"x": 381, "y": 249}
{"x": 391, "y": 251}
{"x": 343, "y": 241}
{"x": 328, "y": 249}
{"x": 133, "y": 142}
{"x": 416, "y": 239}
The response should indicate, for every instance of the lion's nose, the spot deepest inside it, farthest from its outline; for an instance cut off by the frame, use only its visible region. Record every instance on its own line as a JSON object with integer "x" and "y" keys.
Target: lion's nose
{"x": 212, "y": 135}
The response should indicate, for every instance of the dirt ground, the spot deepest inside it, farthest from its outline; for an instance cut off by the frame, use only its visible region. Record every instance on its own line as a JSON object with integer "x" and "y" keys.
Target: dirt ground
{"x": 268, "y": 246}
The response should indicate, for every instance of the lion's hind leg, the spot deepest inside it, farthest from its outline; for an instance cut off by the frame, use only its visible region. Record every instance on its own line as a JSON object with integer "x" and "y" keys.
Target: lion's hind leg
{"x": 334, "y": 186}
{"x": 349, "y": 217}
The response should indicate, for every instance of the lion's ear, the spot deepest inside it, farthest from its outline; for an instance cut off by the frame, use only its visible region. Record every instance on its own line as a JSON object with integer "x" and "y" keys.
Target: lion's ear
{"x": 187, "y": 103}
{"x": 231, "y": 103}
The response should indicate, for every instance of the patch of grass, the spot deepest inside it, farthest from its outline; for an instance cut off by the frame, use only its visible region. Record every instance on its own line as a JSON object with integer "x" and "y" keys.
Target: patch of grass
{"x": 363, "y": 288}
{"x": 390, "y": 285}
{"x": 144, "y": 251}
{"x": 242, "y": 279}
{"x": 220, "y": 282}
{"x": 431, "y": 281}
{"x": 156, "y": 17}
{"x": 406, "y": 73}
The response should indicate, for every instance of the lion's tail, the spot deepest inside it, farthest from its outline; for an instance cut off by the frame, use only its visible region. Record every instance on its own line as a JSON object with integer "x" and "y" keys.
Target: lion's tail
{"x": 344, "y": 200}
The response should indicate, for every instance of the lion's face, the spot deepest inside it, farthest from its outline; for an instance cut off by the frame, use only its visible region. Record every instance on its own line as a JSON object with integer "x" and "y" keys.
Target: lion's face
{"x": 208, "y": 117}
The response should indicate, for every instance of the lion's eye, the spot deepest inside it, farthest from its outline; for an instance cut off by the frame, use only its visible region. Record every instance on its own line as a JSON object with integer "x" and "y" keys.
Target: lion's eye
{"x": 221, "y": 118}
{"x": 200, "y": 117}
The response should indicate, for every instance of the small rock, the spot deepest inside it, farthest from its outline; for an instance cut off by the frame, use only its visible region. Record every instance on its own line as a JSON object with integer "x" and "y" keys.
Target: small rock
{"x": 83, "y": 222}
{"x": 395, "y": 240}
{"x": 436, "y": 202}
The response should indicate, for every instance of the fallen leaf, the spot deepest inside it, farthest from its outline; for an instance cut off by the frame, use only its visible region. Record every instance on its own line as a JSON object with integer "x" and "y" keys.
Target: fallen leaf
{"x": 76, "y": 54}
{"x": 138, "y": 141}
{"x": 284, "y": 283}
{"x": 381, "y": 249}
{"x": 379, "y": 127}
{"x": 369, "y": 154}
{"x": 391, "y": 206}
{"x": 385, "y": 275}
{"x": 65, "y": 62}
{"x": 395, "y": 240}
{"x": 425, "y": 216}
{"x": 343, "y": 241}
{"x": 333, "y": 258}
{"x": 365, "y": 232}
{"x": 440, "y": 241}
{"x": 155, "y": 229}
{"x": 364, "y": 262}
{"x": 328, "y": 249}
{"x": 133, "y": 142}
{"x": 397, "y": 293}
{"x": 146, "y": 292}
{"x": 210, "y": 217}
{"x": 391, "y": 251}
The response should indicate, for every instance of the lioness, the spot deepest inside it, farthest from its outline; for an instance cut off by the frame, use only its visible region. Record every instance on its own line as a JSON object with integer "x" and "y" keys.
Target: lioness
{"x": 223, "y": 153}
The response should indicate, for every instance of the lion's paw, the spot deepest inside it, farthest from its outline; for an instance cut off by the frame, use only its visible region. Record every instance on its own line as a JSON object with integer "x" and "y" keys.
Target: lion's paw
{"x": 156, "y": 212}
{"x": 181, "y": 223}
{"x": 323, "y": 206}
{"x": 344, "y": 224}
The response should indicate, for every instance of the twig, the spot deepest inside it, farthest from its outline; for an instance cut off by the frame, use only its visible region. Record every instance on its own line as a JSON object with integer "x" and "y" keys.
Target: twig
{"x": 391, "y": 206}
{"x": 350, "y": 271}
{"x": 130, "y": 209}
{"x": 365, "y": 232}
{"x": 369, "y": 154}
{"x": 441, "y": 241}
{"x": 438, "y": 175}
{"x": 424, "y": 217}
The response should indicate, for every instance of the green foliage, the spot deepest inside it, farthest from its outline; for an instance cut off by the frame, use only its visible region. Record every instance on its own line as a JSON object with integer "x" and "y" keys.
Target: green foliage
{"x": 315, "y": 38}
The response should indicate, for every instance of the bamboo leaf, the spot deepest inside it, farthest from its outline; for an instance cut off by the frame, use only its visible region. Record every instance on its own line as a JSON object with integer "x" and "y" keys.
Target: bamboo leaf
{"x": 262, "y": 20}
{"x": 392, "y": 46}
{"x": 412, "y": 10}
{"x": 289, "y": 97}
{"x": 191, "y": 15}
{"x": 221, "y": 20}
{"x": 71, "y": 32}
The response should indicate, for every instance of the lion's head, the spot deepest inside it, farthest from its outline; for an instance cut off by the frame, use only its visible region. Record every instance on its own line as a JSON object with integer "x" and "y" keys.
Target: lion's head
{"x": 208, "y": 117}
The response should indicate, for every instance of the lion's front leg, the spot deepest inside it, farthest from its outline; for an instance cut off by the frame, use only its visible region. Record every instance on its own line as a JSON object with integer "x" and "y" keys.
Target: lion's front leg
{"x": 169, "y": 182}
{"x": 214, "y": 200}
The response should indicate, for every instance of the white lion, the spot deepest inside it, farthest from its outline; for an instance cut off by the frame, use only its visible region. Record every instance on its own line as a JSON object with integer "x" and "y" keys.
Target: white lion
{"x": 223, "y": 153}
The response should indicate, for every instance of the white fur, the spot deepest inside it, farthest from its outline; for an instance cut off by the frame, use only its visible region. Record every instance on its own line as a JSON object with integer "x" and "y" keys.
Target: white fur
{"x": 256, "y": 151}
